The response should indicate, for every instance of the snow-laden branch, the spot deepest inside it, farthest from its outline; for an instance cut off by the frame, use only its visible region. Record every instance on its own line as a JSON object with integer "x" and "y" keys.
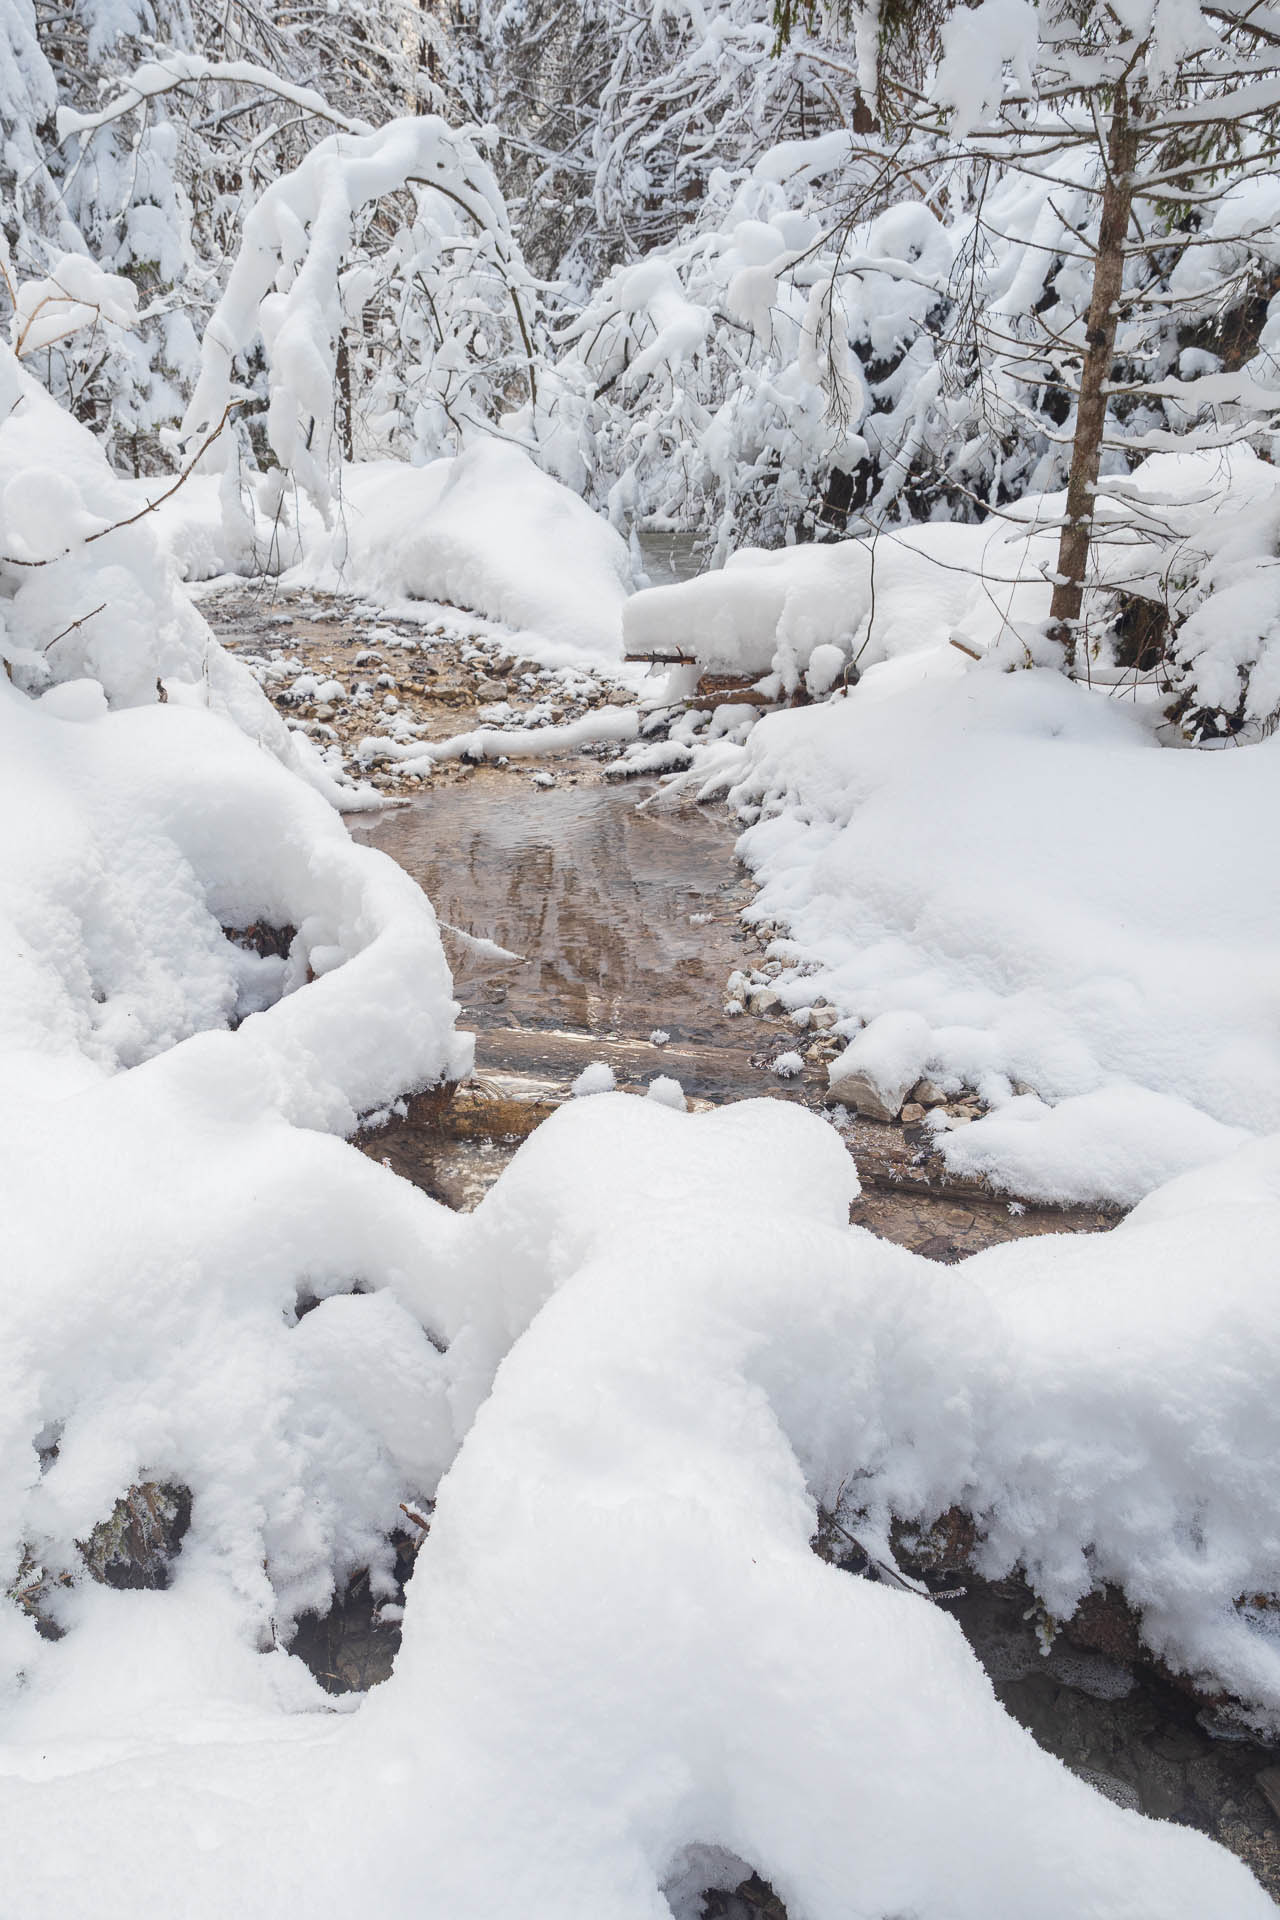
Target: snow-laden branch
{"x": 174, "y": 68}
{"x": 292, "y": 281}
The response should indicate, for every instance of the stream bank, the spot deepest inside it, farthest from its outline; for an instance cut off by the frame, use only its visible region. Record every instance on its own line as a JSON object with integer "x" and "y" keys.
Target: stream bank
{"x": 626, "y": 923}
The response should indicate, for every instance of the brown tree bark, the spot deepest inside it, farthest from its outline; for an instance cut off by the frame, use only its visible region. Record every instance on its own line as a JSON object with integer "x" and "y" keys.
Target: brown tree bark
{"x": 1100, "y": 347}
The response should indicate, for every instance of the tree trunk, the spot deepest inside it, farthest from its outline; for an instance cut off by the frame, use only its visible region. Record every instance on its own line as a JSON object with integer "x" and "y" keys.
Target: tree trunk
{"x": 1100, "y": 346}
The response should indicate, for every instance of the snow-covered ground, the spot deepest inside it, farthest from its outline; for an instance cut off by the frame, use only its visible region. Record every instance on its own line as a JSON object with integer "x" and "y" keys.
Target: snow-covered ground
{"x": 629, "y": 1380}
{"x": 1001, "y": 879}
{"x": 991, "y": 878}
{"x": 486, "y": 531}
{"x": 623, "y": 1667}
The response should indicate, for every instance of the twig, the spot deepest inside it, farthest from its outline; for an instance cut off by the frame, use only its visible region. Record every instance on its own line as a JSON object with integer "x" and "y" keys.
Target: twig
{"x": 71, "y": 629}
{"x": 8, "y": 560}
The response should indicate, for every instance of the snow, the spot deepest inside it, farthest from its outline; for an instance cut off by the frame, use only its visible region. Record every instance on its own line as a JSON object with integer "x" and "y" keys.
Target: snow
{"x": 668, "y": 1092}
{"x": 629, "y": 1385}
{"x": 818, "y": 609}
{"x": 925, "y": 598}
{"x": 490, "y": 532}
{"x": 608, "y": 1662}
{"x": 605, "y": 726}
{"x": 170, "y": 1100}
{"x": 992, "y": 873}
{"x": 596, "y": 1078}
{"x": 486, "y": 531}
{"x": 90, "y": 595}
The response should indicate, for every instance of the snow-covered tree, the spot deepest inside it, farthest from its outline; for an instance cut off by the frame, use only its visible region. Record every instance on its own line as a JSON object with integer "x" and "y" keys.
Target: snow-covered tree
{"x": 140, "y": 137}
{"x": 1108, "y": 177}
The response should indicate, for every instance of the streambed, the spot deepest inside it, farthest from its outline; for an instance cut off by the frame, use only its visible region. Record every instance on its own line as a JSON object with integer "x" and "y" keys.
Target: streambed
{"x": 624, "y": 917}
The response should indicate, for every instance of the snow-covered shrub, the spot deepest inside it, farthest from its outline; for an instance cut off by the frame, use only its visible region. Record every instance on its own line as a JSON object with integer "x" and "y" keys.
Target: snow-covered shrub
{"x": 722, "y": 381}
{"x": 139, "y": 137}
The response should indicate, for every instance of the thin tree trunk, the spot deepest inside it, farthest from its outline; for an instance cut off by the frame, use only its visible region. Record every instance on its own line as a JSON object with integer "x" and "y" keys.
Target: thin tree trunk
{"x": 345, "y": 421}
{"x": 1100, "y": 348}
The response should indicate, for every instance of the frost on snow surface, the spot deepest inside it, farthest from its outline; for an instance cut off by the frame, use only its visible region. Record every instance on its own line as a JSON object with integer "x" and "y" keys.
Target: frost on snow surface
{"x": 618, "y": 1643}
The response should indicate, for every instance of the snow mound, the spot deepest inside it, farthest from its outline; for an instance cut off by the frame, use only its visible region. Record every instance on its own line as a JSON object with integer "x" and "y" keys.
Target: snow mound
{"x": 490, "y": 532}
{"x": 930, "y": 597}
{"x": 88, "y": 592}
{"x": 486, "y": 531}
{"x": 608, "y": 1670}
{"x": 201, "y": 977}
{"x": 1001, "y": 863}
{"x": 907, "y": 591}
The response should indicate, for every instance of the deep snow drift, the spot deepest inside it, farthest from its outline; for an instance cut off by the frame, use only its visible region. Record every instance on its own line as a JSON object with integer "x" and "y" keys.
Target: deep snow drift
{"x": 619, "y": 1646}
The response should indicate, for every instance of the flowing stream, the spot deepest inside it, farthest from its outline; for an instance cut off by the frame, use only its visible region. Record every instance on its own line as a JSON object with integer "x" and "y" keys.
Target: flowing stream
{"x": 624, "y": 925}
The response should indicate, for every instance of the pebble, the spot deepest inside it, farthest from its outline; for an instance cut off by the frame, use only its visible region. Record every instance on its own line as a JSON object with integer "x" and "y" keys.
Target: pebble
{"x": 764, "y": 1000}
{"x": 927, "y": 1093}
{"x": 913, "y": 1113}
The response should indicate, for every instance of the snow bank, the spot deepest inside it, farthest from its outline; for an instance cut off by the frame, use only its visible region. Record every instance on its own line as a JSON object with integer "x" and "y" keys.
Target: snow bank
{"x": 931, "y": 595}
{"x": 486, "y": 531}
{"x": 610, "y": 1636}
{"x": 1006, "y": 859}
{"x": 905, "y": 591}
{"x": 490, "y": 532}
{"x": 201, "y": 976}
{"x": 88, "y": 592}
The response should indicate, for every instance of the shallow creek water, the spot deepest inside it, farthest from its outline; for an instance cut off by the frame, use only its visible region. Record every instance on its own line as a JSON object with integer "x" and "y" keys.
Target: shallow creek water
{"x": 626, "y": 918}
